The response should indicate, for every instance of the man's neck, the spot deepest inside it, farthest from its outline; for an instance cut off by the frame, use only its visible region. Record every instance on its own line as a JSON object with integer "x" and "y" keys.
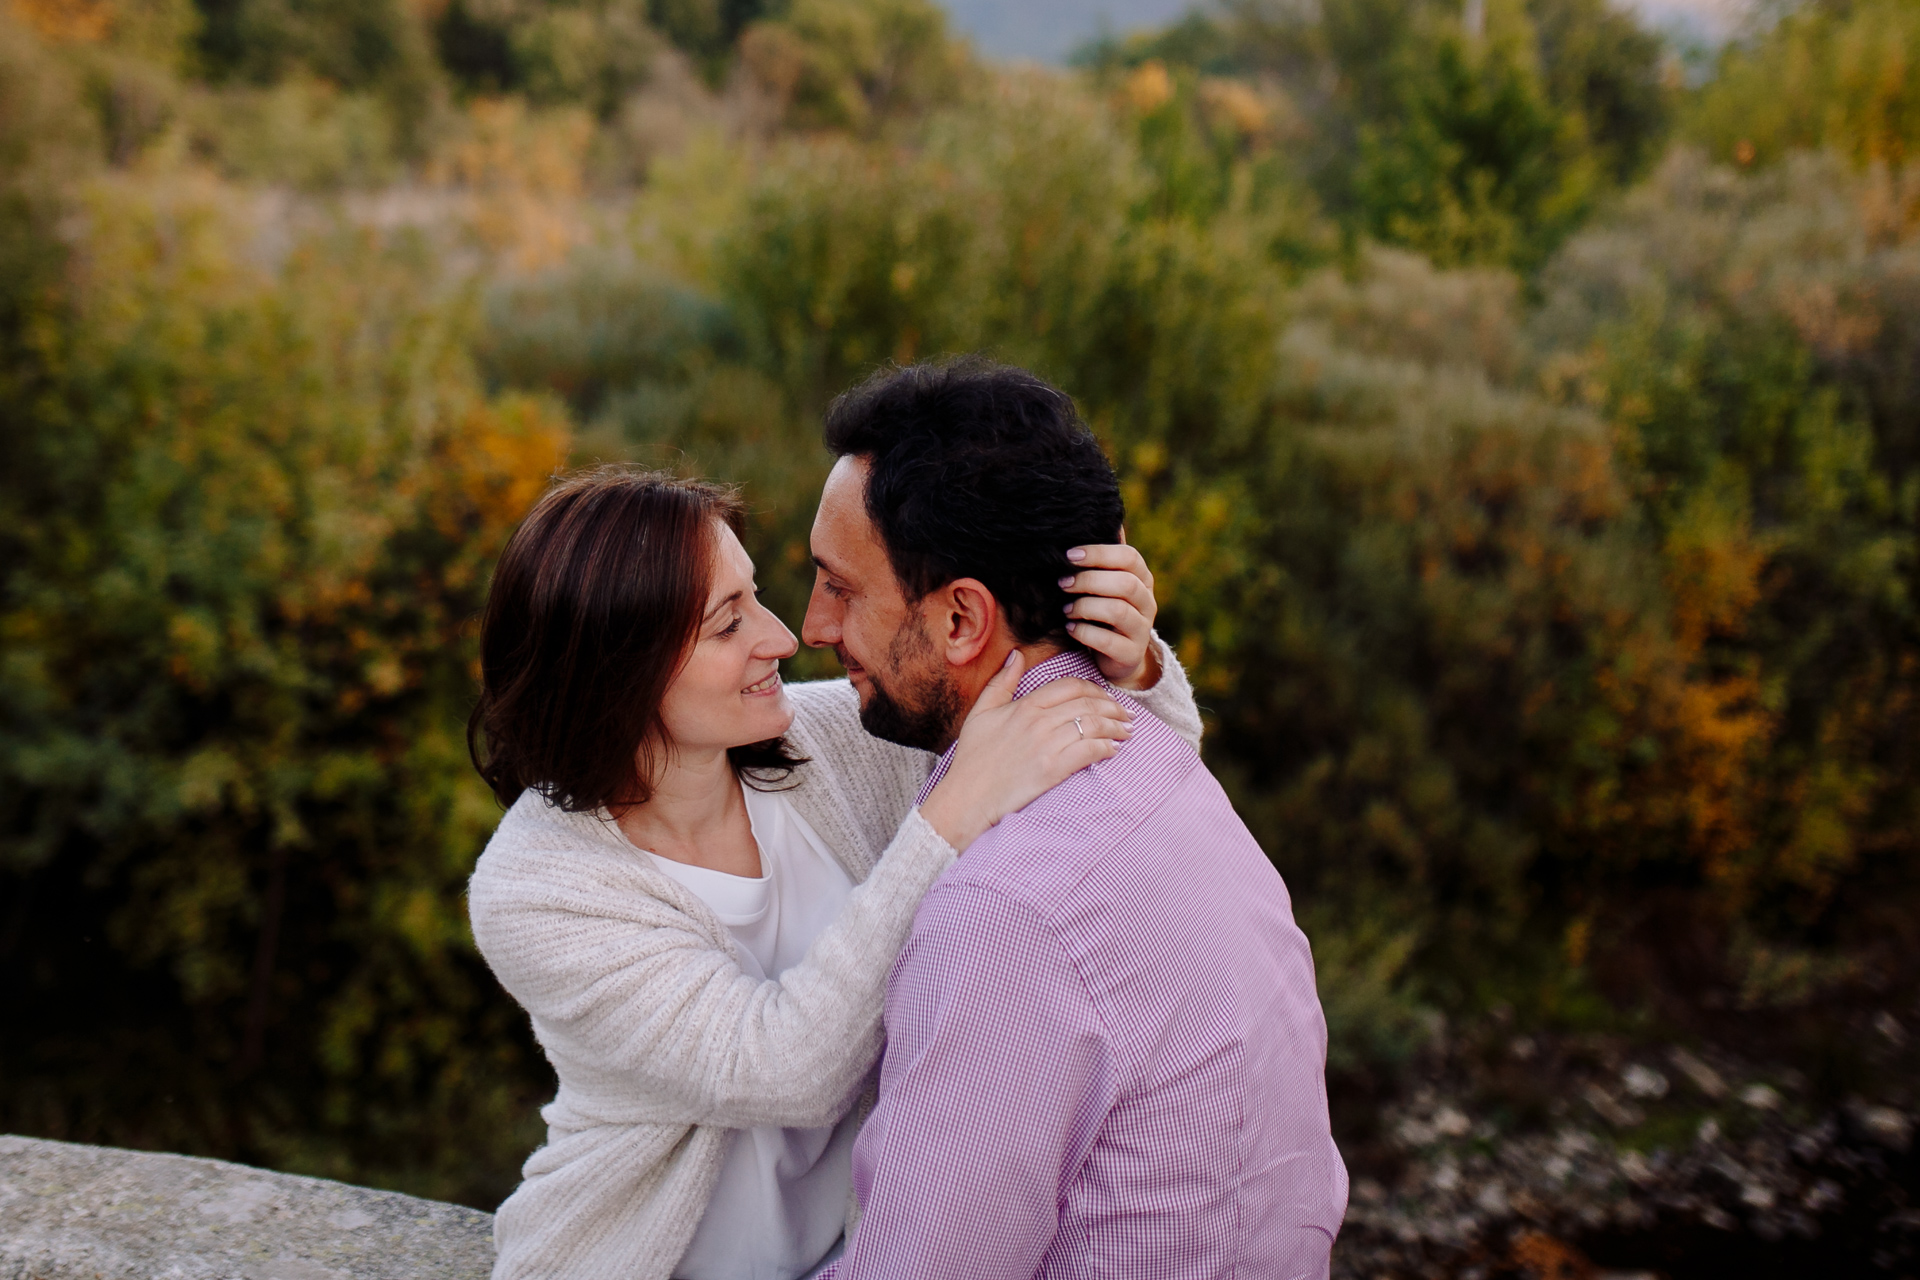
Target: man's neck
{"x": 973, "y": 679}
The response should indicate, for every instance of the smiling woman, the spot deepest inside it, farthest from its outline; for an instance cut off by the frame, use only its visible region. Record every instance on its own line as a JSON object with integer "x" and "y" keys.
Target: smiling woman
{"x": 593, "y": 603}
{"x": 704, "y": 877}
{"x": 727, "y": 690}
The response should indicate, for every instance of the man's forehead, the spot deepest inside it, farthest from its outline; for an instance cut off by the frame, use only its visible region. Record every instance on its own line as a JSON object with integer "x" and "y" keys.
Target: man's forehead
{"x": 845, "y": 492}
{"x": 842, "y": 532}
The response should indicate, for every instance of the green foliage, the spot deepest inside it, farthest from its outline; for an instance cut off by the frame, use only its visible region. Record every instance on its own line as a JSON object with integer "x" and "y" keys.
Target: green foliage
{"x": 1612, "y": 76}
{"x": 250, "y": 510}
{"x": 351, "y": 42}
{"x": 1481, "y": 143}
{"x": 1463, "y": 165}
{"x": 1754, "y": 338}
{"x": 46, "y": 135}
{"x": 707, "y": 28}
{"x": 593, "y": 52}
{"x": 1844, "y": 76}
{"x": 852, "y": 64}
{"x": 1557, "y": 630}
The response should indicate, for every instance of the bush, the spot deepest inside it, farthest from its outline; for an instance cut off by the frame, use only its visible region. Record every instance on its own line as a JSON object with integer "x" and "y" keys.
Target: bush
{"x": 1754, "y": 337}
{"x": 251, "y": 527}
{"x": 1483, "y": 145}
{"x": 1838, "y": 76}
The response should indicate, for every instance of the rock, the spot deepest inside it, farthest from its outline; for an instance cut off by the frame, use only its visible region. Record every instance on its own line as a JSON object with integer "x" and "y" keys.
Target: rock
{"x": 1415, "y": 1133}
{"x": 1823, "y": 1195}
{"x": 1635, "y": 1167}
{"x": 1644, "y": 1082}
{"x": 1621, "y": 1115}
{"x": 1884, "y": 1125}
{"x": 1704, "y": 1077}
{"x": 72, "y": 1212}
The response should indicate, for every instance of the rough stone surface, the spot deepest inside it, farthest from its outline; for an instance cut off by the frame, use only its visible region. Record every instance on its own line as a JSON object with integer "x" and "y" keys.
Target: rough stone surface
{"x": 70, "y": 1212}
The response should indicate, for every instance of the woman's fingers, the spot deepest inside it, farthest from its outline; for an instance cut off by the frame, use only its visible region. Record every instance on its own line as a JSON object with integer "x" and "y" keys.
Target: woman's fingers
{"x": 1065, "y": 689}
{"x": 1014, "y": 752}
{"x": 1088, "y": 720}
{"x": 1078, "y": 755}
{"x": 999, "y": 690}
{"x": 1111, "y": 555}
{"x": 1114, "y": 590}
{"x": 1111, "y": 728}
{"x": 1117, "y": 632}
{"x": 1118, "y": 614}
{"x": 1064, "y": 711}
{"x": 1125, "y": 650}
{"x": 1116, "y": 585}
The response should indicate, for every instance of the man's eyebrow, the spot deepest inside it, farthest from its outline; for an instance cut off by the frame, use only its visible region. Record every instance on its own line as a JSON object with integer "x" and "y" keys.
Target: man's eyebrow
{"x": 723, "y": 604}
{"x": 822, "y": 564}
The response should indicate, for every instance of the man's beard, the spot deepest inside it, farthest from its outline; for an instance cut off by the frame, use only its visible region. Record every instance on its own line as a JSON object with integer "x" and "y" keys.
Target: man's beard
{"x": 927, "y": 714}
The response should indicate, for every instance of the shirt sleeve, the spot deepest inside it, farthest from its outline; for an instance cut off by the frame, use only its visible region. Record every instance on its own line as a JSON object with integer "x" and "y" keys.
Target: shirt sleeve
{"x": 997, "y": 1076}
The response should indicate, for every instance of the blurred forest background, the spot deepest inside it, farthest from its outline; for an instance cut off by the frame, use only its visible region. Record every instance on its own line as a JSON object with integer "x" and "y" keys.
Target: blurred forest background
{"x": 1523, "y": 420}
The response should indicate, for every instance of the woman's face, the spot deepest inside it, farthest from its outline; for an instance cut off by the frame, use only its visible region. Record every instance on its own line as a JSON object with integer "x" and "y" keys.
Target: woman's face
{"x": 728, "y": 693}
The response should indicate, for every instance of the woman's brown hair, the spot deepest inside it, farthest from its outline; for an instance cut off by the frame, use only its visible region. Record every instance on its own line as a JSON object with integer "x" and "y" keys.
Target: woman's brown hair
{"x": 593, "y": 606}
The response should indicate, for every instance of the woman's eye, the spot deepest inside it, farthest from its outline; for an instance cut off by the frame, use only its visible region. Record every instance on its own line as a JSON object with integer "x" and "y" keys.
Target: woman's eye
{"x": 730, "y": 628}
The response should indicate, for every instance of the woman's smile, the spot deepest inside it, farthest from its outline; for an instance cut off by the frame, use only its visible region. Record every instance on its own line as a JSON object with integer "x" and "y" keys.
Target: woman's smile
{"x": 763, "y": 687}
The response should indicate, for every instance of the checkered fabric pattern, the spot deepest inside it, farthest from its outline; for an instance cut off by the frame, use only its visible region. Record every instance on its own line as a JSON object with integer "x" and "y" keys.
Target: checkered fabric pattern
{"x": 1105, "y": 1052}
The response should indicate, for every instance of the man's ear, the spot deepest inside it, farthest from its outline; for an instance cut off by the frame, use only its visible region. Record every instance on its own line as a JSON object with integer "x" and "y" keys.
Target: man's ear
{"x": 963, "y": 620}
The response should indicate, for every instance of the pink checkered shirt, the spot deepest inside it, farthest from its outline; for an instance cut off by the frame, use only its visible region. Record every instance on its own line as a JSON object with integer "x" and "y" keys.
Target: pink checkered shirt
{"x": 1105, "y": 1054}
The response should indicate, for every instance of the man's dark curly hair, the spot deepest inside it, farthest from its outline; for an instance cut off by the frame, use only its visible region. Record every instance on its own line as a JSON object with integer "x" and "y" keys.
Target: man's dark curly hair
{"x": 980, "y": 470}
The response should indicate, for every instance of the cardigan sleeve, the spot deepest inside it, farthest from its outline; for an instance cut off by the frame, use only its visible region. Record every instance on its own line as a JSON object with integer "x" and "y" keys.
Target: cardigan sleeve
{"x": 650, "y": 1000}
{"x": 1172, "y": 699}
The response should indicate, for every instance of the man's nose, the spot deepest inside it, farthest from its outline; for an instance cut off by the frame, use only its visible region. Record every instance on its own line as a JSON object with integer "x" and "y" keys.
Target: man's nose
{"x": 821, "y": 627}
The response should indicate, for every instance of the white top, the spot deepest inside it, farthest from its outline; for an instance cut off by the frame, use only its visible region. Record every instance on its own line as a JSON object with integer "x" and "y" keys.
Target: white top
{"x": 781, "y": 1199}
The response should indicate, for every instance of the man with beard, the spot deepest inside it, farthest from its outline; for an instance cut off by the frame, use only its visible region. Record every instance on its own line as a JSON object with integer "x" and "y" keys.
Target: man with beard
{"x": 1105, "y": 1053}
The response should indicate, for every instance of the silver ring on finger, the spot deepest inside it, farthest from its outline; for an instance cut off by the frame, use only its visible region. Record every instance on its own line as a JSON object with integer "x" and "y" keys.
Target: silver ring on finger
{"x": 1076, "y": 727}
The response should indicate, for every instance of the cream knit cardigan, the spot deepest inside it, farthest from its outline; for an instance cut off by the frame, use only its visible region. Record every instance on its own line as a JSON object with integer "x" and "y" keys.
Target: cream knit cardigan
{"x": 661, "y": 1042}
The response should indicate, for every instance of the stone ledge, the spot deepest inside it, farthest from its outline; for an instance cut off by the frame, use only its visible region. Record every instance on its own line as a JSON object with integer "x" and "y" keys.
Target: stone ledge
{"x": 71, "y": 1212}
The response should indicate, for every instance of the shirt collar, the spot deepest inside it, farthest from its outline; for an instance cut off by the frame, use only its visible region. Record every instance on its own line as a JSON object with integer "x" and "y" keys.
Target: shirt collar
{"x": 1070, "y": 662}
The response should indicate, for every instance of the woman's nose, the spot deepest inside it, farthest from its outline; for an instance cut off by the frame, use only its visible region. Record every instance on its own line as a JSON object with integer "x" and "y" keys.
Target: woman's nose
{"x": 778, "y": 641}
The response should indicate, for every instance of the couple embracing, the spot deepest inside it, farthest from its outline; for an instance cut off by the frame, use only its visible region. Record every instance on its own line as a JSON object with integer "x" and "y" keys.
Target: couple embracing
{"x": 992, "y": 851}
